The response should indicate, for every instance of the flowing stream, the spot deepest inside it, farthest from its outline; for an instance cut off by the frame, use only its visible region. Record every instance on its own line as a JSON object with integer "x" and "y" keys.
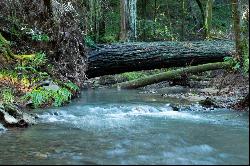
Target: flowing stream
{"x": 128, "y": 127}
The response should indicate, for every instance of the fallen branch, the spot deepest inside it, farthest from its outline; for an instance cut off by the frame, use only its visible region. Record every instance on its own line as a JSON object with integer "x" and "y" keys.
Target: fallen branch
{"x": 173, "y": 74}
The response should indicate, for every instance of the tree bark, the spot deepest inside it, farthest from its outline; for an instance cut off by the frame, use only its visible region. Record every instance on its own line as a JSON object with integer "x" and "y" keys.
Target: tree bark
{"x": 128, "y": 20}
{"x": 237, "y": 31}
{"x": 202, "y": 15}
{"x": 183, "y": 20}
{"x": 118, "y": 58}
{"x": 173, "y": 74}
{"x": 144, "y": 17}
{"x": 202, "y": 10}
{"x": 208, "y": 18}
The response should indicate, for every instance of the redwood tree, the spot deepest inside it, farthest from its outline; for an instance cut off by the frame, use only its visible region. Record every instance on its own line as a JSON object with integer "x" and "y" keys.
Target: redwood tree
{"x": 128, "y": 20}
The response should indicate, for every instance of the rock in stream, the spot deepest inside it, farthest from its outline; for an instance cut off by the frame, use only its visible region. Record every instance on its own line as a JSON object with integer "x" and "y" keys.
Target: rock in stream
{"x": 12, "y": 116}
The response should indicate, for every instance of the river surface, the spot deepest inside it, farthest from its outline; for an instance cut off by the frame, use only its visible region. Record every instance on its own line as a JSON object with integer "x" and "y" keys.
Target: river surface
{"x": 128, "y": 127}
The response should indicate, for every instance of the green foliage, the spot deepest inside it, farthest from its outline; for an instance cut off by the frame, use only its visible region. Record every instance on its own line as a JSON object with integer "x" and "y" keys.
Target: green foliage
{"x": 1, "y": 44}
{"x": 7, "y": 96}
{"x": 15, "y": 31}
{"x": 112, "y": 30}
{"x": 108, "y": 39}
{"x": 71, "y": 86}
{"x": 39, "y": 60}
{"x": 42, "y": 96}
{"x": 133, "y": 75}
{"x": 25, "y": 68}
{"x": 61, "y": 96}
{"x": 236, "y": 64}
{"x": 221, "y": 21}
{"x": 142, "y": 74}
{"x": 89, "y": 42}
{"x": 38, "y": 97}
{"x": 155, "y": 30}
{"x": 245, "y": 56}
{"x": 246, "y": 65}
{"x": 159, "y": 20}
{"x": 245, "y": 44}
{"x": 40, "y": 37}
{"x": 15, "y": 77}
{"x": 233, "y": 62}
{"x": 8, "y": 73}
{"x": 32, "y": 67}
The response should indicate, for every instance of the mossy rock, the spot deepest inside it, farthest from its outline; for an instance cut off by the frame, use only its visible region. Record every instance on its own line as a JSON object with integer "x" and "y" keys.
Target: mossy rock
{"x": 12, "y": 109}
{"x": 12, "y": 116}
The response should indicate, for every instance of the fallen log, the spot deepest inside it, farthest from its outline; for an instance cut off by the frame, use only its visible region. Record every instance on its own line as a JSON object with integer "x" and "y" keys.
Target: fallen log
{"x": 125, "y": 57}
{"x": 173, "y": 74}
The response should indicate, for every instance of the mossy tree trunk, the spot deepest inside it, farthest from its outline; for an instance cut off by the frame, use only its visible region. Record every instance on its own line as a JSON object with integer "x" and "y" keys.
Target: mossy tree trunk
{"x": 173, "y": 74}
{"x": 202, "y": 14}
{"x": 9, "y": 55}
{"x": 208, "y": 18}
{"x": 237, "y": 31}
{"x": 183, "y": 20}
{"x": 5, "y": 49}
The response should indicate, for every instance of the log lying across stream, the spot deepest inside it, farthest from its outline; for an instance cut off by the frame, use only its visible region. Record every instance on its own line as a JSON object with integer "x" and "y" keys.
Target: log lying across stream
{"x": 125, "y": 57}
{"x": 172, "y": 74}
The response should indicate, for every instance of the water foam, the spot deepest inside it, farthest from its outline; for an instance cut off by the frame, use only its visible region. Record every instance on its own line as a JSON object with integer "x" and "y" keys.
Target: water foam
{"x": 121, "y": 115}
{"x": 114, "y": 115}
{"x": 165, "y": 111}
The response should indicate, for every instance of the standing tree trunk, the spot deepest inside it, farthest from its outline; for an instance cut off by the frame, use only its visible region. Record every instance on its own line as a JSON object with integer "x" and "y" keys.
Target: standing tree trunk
{"x": 202, "y": 10}
{"x": 239, "y": 46}
{"x": 155, "y": 17}
{"x": 124, "y": 20}
{"x": 183, "y": 20}
{"x": 208, "y": 18}
{"x": 48, "y": 8}
{"x": 91, "y": 16}
{"x": 128, "y": 20}
{"x": 237, "y": 31}
{"x": 144, "y": 17}
{"x": 202, "y": 15}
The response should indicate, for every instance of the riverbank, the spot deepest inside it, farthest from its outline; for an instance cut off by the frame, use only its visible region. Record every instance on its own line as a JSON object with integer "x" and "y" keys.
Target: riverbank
{"x": 213, "y": 89}
{"x": 219, "y": 88}
{"x": 21, "y": 92}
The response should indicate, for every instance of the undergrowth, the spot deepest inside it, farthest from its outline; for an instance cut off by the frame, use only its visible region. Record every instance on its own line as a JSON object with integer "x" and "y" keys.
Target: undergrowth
{"x": 41, "y": 96}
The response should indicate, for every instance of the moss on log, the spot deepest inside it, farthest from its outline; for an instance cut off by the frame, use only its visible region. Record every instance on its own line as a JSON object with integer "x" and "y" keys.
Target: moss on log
{"x": 173, "y": 74}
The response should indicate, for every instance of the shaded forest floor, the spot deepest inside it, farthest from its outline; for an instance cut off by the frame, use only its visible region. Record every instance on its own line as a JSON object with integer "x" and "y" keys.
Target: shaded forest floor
{"x": 217, "y": 88}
